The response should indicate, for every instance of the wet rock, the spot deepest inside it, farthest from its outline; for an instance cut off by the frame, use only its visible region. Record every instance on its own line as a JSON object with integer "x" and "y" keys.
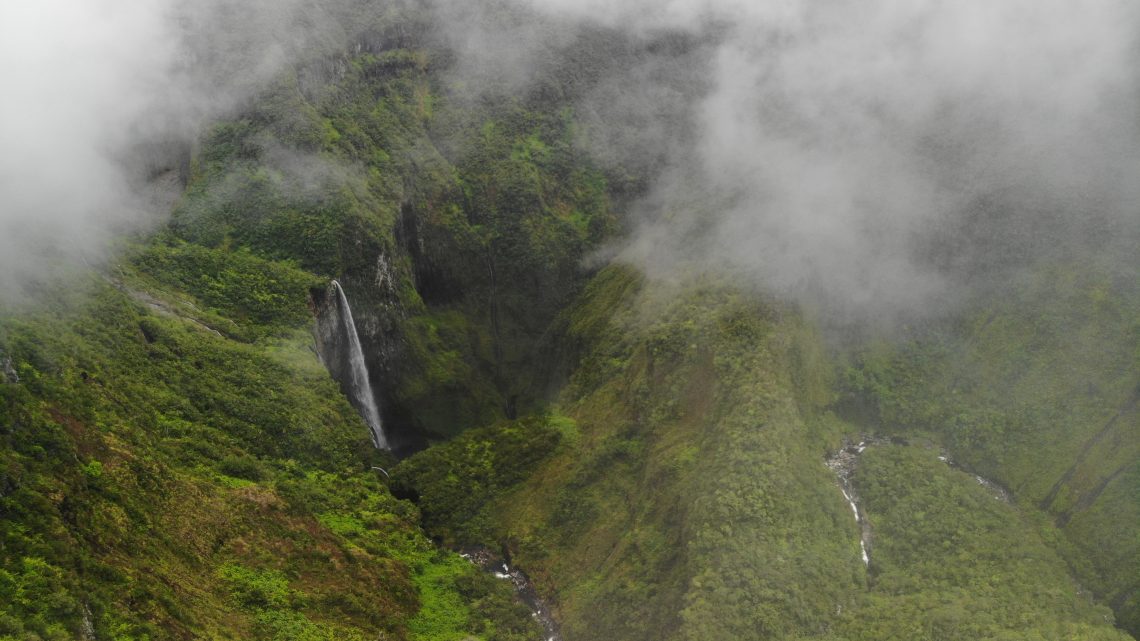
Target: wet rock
{"x": 843, "y": 464}
{"x": 500, "y": 567}
{"x": 7, "y": 369}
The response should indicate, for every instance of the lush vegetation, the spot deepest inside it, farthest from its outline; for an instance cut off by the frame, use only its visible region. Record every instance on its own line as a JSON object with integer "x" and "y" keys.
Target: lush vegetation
{"x": 458, "y": 229}
{"x": 176, "y": 463}
{"x": 163, "y": 481}
{"x": 453, "y": 482}
{"x": 1038, "y": 392}
{"x": 951, "y": 560}
{"x": 688, "y": 498}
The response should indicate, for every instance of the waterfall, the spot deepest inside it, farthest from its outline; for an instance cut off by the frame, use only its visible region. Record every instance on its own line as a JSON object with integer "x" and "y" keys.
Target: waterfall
{"x": 7, "y": 371}
{"x": 843, "y": 464}
{"x": 358, "y": 371}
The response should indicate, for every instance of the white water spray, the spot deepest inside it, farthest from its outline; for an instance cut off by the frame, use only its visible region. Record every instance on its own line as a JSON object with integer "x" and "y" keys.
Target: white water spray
{"x": 859, "y": 521}
{"x": 361, "y": 389}
{"x": 843, "y": 463}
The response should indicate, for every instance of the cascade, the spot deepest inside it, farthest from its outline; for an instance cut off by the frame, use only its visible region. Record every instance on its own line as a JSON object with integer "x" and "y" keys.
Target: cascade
{"x": 524, "y": 588}
{"x": 859, "y": 522}
{"x": 7, "y": 371}
{"x": 358, "y": 371}
{"x": 843, "y": 464}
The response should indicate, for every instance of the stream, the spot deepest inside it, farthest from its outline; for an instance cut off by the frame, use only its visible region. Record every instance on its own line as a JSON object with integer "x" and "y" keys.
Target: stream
{"x": 844, "y": 462}
{"x": 524, "y": 588}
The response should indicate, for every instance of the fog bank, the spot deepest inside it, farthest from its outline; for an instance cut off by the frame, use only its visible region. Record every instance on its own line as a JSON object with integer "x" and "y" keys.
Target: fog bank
{"x": 872, "y": 160}
{"x": 876, "y": 160}
{"x": 102, "y": 101}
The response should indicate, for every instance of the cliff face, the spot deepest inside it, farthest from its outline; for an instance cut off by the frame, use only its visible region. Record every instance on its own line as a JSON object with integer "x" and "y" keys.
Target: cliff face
{"x": 176, "y": 463}
{"x": 688, "y": 497}
{"x": 457, "y": 257}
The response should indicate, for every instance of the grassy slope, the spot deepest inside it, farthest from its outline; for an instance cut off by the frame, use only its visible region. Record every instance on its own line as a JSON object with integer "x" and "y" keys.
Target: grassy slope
{"x": 175, "y": 461}
{"x": 1038, "y": 392}
{"x": 687, "y": 498}
{"x": 161, "y": 480}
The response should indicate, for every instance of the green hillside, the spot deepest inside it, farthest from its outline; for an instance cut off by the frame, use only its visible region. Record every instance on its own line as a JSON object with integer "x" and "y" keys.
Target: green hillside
{"x": 688, "y": 498}
{"x": 1038, "y": 392}
{"x": 177, "y": 463}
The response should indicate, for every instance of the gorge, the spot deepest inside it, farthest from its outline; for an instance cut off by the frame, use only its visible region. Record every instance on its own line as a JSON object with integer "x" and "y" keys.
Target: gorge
{"x": 621, "y": 279}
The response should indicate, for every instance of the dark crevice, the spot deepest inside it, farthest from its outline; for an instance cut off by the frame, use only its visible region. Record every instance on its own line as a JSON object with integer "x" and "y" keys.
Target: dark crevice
{"x": 1088, "y": 498}
{"x": 1128, "y": 407}
{"x": 431, "y": 280}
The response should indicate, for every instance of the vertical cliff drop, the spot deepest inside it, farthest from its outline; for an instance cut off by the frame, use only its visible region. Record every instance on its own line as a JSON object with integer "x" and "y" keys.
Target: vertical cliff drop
{"x": 338, "y": 346}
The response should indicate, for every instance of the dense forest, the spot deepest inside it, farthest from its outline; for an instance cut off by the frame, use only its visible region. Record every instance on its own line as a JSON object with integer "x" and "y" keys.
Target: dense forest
{"x": 656, "y": 450}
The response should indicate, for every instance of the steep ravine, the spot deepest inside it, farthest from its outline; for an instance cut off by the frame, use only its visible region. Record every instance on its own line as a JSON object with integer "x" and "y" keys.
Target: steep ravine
{"x": 338, "y": 346}
{"x": 845, "y": 462}
{"x": 524, "y": 587}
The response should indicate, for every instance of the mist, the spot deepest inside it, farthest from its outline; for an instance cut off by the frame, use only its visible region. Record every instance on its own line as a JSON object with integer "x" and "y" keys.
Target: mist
{"x": 74, "y": 88}
{"x": 103, "y": 101}
{"x": 877, "y": 162}
{"x": 854, "y": 144}
{"x": 873, "y": 161}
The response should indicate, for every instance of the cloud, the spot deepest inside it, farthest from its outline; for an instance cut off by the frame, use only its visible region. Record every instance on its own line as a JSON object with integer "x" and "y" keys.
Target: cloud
{"x": 102, "y": 97}
{"x": 871, "y": 159}
{"x": 78, "y": 77}
{"x": 867, "y": 158}
{"x": 849, "y": 137}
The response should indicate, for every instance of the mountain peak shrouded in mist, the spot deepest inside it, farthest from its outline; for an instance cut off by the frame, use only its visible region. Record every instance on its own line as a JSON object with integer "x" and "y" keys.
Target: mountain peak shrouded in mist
{"x": 849, "y": 155}
{"x": 103, "y": 98}
{"x": 622, "y": 277}
{"x": 875, "y": 160}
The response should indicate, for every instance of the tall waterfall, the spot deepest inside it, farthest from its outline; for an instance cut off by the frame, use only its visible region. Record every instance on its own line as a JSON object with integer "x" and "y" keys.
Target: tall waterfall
{"x": 358, "y": 370}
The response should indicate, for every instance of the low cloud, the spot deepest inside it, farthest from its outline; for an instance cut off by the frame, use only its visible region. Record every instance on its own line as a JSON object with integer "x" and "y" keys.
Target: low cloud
{"x": 79, "y": 78}
{"x": 874, "y": 160}
{"x": 867, "y": 159}
{"x": 851, "y": 138}
{"x": 103, "y": 97}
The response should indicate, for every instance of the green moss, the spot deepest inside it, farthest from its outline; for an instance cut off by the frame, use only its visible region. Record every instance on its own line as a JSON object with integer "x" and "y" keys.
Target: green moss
{"x": 146, "y": 458}
{"x": 443, "y": 615}
{"x": 254, "y": 590}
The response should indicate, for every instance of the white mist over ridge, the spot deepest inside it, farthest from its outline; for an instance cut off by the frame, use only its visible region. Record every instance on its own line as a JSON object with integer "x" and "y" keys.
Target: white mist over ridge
{"x": 850, "y": 140}
{"x": 872, "y": 159}
{"x": 76, "y": 83}
{"x": 102, "y": 95}
{"x": 869, "y": 158}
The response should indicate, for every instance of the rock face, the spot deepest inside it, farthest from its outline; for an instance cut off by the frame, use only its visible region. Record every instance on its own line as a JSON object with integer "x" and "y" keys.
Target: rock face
{"x": 340, "y": 350}
{"x": 7, "y": 370}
